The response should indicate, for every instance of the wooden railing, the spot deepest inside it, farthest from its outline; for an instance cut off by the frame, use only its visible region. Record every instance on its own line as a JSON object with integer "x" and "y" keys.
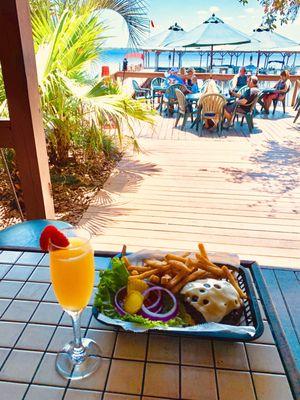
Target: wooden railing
{"x": 295, "y": 79}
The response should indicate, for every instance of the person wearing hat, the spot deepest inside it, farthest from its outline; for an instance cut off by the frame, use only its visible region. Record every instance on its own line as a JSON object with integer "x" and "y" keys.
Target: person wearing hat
{"x": 173, "y": 77}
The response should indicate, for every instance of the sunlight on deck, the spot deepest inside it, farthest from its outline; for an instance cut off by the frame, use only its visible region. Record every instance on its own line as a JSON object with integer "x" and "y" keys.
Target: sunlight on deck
{"x": 237, "y": 193}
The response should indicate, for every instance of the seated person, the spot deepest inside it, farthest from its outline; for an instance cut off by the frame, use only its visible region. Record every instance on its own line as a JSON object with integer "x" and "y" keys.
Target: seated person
{"x": 194, "y": 88}
{"x": 173, "y": 77}
{"x": 211, "y": 87}
{"x": 190, "y": 74}
{"x": 239, "y": 80}
{"x": 243, "y": 102}
{"x": 183, "y": 74}
{"x": 282, "y": 87}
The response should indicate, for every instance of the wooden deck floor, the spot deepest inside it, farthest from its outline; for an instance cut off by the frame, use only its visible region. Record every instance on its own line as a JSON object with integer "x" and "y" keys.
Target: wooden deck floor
{"x": 239, "y": 193}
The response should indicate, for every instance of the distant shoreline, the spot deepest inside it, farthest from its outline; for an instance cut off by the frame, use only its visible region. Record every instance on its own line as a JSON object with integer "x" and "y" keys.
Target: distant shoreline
{"x": 113, "y": 58}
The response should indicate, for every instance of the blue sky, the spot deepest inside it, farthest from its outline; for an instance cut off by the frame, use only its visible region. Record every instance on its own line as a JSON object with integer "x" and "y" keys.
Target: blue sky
{"x": 191, "y": 13}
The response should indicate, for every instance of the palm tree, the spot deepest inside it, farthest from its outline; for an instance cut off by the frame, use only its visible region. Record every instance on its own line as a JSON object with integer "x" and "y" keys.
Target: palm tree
{"x": 134, "y": 13}
{"x": 68, "y": 37}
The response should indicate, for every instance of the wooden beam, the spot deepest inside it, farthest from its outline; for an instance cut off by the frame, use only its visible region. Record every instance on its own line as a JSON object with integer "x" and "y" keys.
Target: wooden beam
{"x": 5, "y": 134}
{"x": 20, "y": 79}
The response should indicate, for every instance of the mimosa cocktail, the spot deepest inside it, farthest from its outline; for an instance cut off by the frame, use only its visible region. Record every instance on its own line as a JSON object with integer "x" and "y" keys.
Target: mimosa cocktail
{"x": 72, "y": 275}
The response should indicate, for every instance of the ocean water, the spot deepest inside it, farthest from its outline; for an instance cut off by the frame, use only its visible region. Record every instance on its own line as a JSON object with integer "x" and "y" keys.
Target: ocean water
{"x": 114, "y": 57}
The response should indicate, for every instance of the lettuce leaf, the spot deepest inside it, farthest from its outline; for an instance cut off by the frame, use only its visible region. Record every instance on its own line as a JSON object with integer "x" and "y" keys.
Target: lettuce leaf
{"x": 147, "y": 323}
{"x": 111, "y": 280}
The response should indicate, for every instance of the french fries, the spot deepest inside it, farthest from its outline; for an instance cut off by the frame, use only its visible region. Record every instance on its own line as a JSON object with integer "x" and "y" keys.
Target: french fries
{"x": 209, "y": 267}
{"x": 179, "y": 265}
{"x": 169, "y": 257}
{"x": 138, "y": 268}
{"x": 165, "y": 279}
{"x": 144, "y": 274}
{"x": 202, "y": 251}
{"x": 195, "y": 275}
{"x": 154, "y": 279}
{"x": 155, "y": 263}
{"x": 175, "y": 271}
{"x": 234, "y": 282}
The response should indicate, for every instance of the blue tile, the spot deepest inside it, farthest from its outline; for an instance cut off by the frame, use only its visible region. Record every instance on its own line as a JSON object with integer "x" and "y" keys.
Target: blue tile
{"x": 30, "y": 258}
{"x": 4, "y": 268}
{"x": 41, "y": 274}
{"x": 9, "y": 257}
{"x": 18, "y": 273}
{"x": 44, "y": 261}
{"x": 4, "y": 303}
{"x": 9, "y": 289}
{"x": 33, "y": 291}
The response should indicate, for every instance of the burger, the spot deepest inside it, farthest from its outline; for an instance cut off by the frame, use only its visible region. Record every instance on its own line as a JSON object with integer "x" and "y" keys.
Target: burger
{"x": 212, "y": 300}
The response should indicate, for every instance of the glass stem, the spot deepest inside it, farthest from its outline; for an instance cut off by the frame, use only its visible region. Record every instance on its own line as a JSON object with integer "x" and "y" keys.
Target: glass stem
{"x": 79, "y": 353}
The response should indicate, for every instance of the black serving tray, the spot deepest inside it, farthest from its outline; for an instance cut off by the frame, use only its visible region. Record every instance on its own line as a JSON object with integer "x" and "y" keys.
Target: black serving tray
{"x": 251, "y": 315}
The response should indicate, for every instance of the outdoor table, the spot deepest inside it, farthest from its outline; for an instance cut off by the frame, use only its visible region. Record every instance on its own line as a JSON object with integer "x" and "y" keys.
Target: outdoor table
{"x": 33, "y": 328}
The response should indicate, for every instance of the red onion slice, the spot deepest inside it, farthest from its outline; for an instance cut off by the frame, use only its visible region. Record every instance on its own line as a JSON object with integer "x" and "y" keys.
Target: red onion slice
{"x": 158, "y": 316}
{"x": 121, "y": 293}
{"x": 156, "y": 303}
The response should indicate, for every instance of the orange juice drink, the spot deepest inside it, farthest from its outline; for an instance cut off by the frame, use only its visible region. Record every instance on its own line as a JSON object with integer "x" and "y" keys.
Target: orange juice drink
{"x": 72, "y": 274}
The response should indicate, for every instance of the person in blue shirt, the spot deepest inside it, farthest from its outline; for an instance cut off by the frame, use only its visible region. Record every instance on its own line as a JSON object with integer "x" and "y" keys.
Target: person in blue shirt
{"x": 240, "y": 79}
{"x": 173, "y": 77}
{"x": 194, "y": 88}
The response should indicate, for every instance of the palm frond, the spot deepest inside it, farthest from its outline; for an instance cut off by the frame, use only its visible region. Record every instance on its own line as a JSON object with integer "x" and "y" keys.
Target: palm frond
{"x": 134, "y": 13}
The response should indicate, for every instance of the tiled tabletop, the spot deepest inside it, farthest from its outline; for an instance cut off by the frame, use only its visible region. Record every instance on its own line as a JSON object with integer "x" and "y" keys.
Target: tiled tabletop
{"x": 134, "y": 366}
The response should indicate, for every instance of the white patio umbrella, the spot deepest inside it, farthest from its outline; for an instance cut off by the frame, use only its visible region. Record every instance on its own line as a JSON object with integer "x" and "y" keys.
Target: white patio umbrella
{"x": 213, "y": 32}
{"x": 264, "y": 39}
{"x": 161, "y": 40}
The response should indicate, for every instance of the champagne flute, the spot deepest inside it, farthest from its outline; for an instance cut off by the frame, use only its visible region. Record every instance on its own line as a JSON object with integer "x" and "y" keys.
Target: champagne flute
{"x": 72, "y": 276}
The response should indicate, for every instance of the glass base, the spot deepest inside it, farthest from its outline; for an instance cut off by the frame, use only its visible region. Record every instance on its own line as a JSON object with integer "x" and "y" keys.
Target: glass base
{"x": 71, "y": 369}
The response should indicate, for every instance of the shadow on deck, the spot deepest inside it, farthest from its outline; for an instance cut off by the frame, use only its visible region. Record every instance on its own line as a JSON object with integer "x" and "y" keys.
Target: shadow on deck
{"x": 238, "y": 193}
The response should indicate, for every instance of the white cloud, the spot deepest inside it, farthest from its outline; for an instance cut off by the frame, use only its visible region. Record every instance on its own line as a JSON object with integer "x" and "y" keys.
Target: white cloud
{"x": 250, "y": 10}
{"x": 228, "y": 18}
{"x": 202, "y": 12}
{"x": 242, "y": 16}
{"x": 214, "y": 9}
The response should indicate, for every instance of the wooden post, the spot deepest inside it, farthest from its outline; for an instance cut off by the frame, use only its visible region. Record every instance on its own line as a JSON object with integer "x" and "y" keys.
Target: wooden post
{"x": 26, "y": 125}
{"x": 258, "y": 60}
{"x": 295, "y": 92}
{"x": 211, "y": 57}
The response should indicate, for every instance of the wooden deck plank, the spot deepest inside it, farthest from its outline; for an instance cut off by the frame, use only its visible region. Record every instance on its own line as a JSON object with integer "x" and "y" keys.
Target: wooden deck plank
{"x": 237, "y": 193}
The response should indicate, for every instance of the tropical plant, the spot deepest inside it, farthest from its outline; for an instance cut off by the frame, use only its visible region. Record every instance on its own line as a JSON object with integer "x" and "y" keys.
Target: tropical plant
{"x": 3, "y": 104}
{"x": 78, "y": 111}
{"x": 134, "y": 13}
{"x": 283, "y": 11}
